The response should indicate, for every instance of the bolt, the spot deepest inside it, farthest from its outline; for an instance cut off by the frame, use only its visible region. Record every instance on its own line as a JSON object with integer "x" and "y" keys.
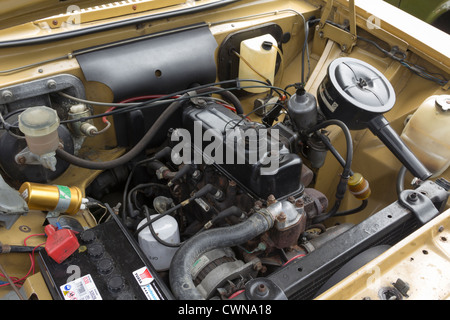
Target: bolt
{"x": 299, "y": 203}
{"x": 281, "y": 217}
{"x": 21, "y": 160}
{"x": 7, "y": 95}
{"x": 271, "y": 199}
{"x": 55, "y": 22}
{"x": 402, "y": 287}
{"x": 413, "y": 197}
{"x": 441, "y": 228}
{"x": 51, "y": 84}
{"x": 262, "y": 288}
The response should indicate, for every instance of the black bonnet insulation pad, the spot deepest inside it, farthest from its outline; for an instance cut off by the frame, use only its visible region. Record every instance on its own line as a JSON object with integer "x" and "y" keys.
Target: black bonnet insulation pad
{"x": 157, "y": 64}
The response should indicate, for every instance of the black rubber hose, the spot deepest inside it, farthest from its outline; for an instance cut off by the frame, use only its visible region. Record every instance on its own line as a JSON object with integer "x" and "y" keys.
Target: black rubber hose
{"x": 226, "y": 95}
{"x": 134, "y": 152}
{"x": 180, "y": 269}
{"x": 346, "y": 172}
{"x": 231, "y": 211}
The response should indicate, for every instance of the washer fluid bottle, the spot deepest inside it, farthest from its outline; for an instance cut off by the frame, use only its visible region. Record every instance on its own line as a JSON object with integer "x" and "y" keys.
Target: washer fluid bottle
{"x": 258, "y": 57}
{"x": 427, "y": 134}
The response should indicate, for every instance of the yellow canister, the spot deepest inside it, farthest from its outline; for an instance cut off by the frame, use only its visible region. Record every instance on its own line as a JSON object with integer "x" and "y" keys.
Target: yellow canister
{"x": 359, "y": 187}
{"x": 53, "y": 198}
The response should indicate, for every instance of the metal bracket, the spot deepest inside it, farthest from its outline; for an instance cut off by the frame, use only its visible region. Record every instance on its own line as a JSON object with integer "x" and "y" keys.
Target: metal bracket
{"x": 47, "y": 160}
{"x": 347, "y": 40}
{"x": 263, "y": 289}
{"x": 420, "y": 205}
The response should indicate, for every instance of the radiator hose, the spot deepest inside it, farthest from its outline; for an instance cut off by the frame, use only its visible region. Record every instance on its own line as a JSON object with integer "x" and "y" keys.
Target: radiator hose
{"x": 184, "y": 259}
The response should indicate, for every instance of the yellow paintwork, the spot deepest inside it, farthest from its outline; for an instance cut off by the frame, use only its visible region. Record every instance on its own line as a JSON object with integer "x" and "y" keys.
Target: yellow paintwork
{"x": 395, "y": 28}
{"x": 422, "y": 260}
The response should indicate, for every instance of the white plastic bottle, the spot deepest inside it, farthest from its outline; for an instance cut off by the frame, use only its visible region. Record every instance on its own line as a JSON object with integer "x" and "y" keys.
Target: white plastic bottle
{"x": 427, "y": 133}
{"x": 167, "y": 230}
{"x": 39, "y": 125}
{"x": 258, "y": 54}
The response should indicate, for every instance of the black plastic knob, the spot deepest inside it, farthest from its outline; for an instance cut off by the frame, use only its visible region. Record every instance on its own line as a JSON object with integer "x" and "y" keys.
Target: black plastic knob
{"x": 105, "y": 266}
{"x": 87, "y": 236}
{"x": 116, "y": 284}
{"x": 96, "y": 250}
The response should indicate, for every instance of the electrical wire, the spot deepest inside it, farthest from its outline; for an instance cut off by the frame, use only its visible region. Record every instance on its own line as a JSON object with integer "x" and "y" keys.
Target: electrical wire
{"x": 162, "y": 99}
{"x": 157, "y": 156}
{"x": 203, "y": 191}
{"x": 10, "y": 281}
{"x": 32, "y": 259}
{"x": 143, "y": 186}
{"x": 342, "y": 185}
{"x": 399, "y": 57}
{"x": 399, "y": 187}
{"x": 155, "y": 235}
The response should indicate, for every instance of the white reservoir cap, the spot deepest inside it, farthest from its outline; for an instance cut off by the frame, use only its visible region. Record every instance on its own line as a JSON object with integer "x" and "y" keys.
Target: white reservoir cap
{"x": 38, "y": 121}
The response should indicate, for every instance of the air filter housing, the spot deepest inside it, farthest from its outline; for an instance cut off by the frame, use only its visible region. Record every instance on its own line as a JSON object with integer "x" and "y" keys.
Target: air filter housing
{"x": 354, "y": 92}
{"x": 358, "y": 94}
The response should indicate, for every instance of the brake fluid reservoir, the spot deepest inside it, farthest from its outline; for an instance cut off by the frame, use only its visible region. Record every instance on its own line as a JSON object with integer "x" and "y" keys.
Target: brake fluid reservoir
{"x": 427, "y": 133}
{"x": 258, "y": 57}
{"x": 159, "y": 254}
{"x": 40, "y": 127}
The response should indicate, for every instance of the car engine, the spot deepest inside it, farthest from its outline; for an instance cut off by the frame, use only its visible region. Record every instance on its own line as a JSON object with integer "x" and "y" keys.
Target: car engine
{"x": 214, "y": 201}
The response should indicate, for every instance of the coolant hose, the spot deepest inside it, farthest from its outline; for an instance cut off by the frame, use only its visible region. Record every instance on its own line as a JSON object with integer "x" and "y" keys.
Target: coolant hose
{"x": 180, "y": 269}
{"x": 130, "y": 155}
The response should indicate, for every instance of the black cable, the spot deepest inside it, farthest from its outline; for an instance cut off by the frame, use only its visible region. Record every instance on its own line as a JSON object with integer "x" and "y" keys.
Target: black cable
{"x": 131, "y": 154}
{"x": 418, "y": 70}
{"x": 163, "y": 99}
{"x": 333, "y": 150}
{"x": 159, "y": 155}
{"x": 348, "y": 139}
{"x": 203, "y": 191}
{"x": 139, "y": 147}
{"x": 400, "y": 180}
{"x": 14, "y": 249}
{"x": 165, "y": 213}
{"x": 155, "y": 235}
{"x": 160, "y": 100}
{"x": 363, "y": 205}
{"x": 342, "y": 185}
{"x": 253, "y": 111}
{"x": 141, "y": 186}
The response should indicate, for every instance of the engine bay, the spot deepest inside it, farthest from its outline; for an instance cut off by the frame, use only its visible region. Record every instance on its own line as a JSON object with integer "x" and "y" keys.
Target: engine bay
{"x": 192, "y": 158}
